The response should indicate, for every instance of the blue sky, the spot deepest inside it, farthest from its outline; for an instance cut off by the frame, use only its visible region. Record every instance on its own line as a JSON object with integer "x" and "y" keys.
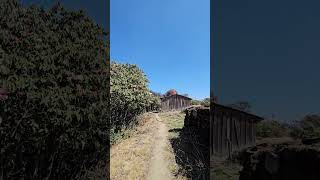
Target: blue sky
{"x": 267, "y": 53}
{"x": 168, "y": 39}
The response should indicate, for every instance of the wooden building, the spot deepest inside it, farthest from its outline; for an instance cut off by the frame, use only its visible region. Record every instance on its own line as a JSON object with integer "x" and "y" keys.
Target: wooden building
{"x": 175, "y": 102}
{"x": 231, "y": 129}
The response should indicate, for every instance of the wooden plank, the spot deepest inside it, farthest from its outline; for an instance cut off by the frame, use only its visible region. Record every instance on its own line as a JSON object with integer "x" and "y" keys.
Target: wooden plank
{"x": 224, "y": 134}
{"x": 212, "y": 128}
{"x": 219, "y": 133}
{"x": 232, "y": 133}
{"x": 229, "y": 142}
{"x": 246, "y": 140}
{"x": 216, "y": 132}
{"x": 251, "y": 132}
{"x": 254, "y": 132}
{"x": 237, "y": 130}
{"x": 242, "y": 131}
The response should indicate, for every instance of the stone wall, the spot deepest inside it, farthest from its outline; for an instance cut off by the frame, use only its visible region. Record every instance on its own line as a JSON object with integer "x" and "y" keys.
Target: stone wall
{"x": 198, "y": 117}
{"x": 281, "y": 161}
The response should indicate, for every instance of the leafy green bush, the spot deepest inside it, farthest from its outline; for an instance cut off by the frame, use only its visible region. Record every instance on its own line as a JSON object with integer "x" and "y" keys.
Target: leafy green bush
{"x": 130, "y": 96}
{"x": 205, "y": 102}
{"x": 309, "y": 126}
{"x": 54, "y": 123}
{"x": 195, "y": 102}
{"x": 271, "y": 128}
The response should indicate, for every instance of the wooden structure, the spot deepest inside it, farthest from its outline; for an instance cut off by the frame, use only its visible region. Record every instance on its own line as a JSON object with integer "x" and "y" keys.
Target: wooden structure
{"x": 175, "y": 102}
{"x": 231, "y": 129}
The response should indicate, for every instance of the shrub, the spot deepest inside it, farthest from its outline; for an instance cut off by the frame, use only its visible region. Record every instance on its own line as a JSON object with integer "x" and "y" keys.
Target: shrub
{"x": 309, "y": 126}
{"x": 271, "y": 128}
{"x": 205, "y": 102}
{"x": 130, "y": 96}
{"x": 54, "y": 121}
{"x": 195, "y": 102}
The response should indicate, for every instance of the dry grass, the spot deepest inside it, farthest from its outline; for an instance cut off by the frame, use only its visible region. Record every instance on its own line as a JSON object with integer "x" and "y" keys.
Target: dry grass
{"x": 174, "y": 120}
{"x": 186, "y": 156}
{"x": 129, "y": 158}
{"x": 224, "y": 169}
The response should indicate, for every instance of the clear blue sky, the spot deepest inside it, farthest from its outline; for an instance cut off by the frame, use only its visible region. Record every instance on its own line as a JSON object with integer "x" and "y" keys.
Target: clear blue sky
{"x": 168, "y": 39}
{"x": 267, "y": 52}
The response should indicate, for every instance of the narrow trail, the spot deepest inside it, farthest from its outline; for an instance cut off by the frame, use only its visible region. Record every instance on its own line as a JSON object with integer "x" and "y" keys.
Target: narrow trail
{"x": 158, "y": 169}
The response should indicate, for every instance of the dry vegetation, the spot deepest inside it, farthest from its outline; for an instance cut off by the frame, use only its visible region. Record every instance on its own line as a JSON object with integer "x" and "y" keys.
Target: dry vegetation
{"x": 186, "y": 157}
{"x": 174, "y": 121}
{"x": 224, "y": 170}
{"x": 129, "y": 157}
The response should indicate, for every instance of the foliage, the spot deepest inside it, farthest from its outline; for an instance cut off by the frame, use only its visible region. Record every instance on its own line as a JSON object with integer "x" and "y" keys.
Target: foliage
{"x": 309, "y": 126}
{"x": 271, "y": 128}
{"x": 54, "y": 122}
{"x": 195, "y": 102}
{"x": 130, "y": 96}
{"x": 205, "y": 102}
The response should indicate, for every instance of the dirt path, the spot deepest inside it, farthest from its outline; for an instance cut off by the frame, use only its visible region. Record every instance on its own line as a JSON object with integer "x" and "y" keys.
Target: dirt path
{"x": 158, "y": 169}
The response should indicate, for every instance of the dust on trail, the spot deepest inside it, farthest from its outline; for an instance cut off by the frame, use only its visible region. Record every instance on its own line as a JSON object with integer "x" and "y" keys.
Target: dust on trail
{"x": 158, "y": 169}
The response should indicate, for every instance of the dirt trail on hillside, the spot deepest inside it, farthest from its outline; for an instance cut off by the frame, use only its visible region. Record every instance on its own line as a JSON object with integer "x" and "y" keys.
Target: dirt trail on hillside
{"x": 158, "y": 169}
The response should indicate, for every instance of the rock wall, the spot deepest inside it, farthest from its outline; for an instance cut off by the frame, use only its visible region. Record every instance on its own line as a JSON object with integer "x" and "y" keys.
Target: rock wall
{"x": 281, "y": 161}
{"x": 198, "y": 117}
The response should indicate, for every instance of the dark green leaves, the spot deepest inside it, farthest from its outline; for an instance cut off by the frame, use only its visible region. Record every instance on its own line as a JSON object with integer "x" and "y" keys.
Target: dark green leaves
{"x": 53, "y": 64}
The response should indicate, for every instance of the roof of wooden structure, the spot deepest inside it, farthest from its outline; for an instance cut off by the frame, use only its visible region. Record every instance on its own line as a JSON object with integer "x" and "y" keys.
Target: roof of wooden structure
{"x": 237, "y": 110}
{"x": 162, "y": 98}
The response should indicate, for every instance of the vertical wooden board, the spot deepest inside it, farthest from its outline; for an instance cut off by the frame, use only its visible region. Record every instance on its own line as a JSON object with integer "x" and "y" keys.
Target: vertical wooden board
{"x": 224, "y": 134}
{"x": 246, "y": 130}
{"x": 229, "y": 148}
{"x": 216, "y": 132}
{"x": 251, "y": 133}
{"x": 228, "y": 126}
{"x": 237, "y": 130}
{"x": 219, "y": 128}
{"x": 254, "y": 133}
{"x": 212, "y": 129}
{"x": 232, "y": 132}
{"x": 243, "y": 119}
{"x": 241, "y": 131}
{"x": 181, "y": 103}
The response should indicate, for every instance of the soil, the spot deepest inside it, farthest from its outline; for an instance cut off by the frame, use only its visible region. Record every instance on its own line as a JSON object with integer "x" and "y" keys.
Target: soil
{"x": 158, "y": 164}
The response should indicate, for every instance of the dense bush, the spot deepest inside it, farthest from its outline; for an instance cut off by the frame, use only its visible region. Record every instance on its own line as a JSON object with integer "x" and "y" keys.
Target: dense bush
{"x": 205, "y": 102}
{"x": 195, "y": 102}
{"x": 271, "y": 128}
{"x": 130, "y": 96}
{"x": 54, "y": 121}
{"x": 307, "y": 127}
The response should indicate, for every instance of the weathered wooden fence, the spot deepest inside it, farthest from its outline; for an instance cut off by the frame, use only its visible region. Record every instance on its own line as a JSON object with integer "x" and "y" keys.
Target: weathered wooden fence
{"x": 226, "y": 129}
{"x": 175, "y": 102}
{"x": 231, "y": 130}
